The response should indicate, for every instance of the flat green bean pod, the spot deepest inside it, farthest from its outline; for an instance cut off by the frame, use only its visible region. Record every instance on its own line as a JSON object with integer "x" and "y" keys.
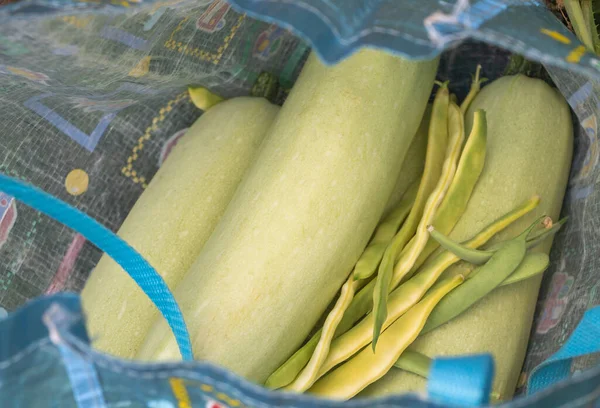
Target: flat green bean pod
{"x": 289, "y": 370}
{"x": 400, "y": 300}
{"x": 474, "y": 256}
{"x": 536, "y": 237}
{"x": 369, "y": 261}
{"x": 385, "y": 282}
{"x": 367, "y": 367}
{"x": 500, "y": 266}
{"x": 437, "y": 142}
{"x": 362, "y": 301}
{"x": 478, "y": 256}
{"x": 414, "y": 362}
{"x": 454, "y": 204}
{"x": 533, "y": 264}
{"x": 309, "y": 375}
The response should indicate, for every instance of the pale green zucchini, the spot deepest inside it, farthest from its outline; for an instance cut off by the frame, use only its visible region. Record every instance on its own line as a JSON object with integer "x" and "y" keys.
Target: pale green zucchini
{"x": 529, "y": 151}
{"x": 174, "y": 217}
{"x": 303, "y": 214}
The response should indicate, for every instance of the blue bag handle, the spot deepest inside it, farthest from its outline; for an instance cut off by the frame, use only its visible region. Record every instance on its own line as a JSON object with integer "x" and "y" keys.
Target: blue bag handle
{"x": 585, "y": 339}
{"x": 466, "y": 381}
{"x": 128, "y": 258}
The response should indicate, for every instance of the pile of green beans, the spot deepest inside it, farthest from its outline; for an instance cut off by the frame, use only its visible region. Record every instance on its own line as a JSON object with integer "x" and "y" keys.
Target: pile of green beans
{"x": 397, "y": 291}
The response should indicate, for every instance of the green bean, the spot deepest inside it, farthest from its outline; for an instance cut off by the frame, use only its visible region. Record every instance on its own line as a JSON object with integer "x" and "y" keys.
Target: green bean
{"x": 477, "y": 256}
{"x": 533, "y": 264}
{"x": 289, "y": 370}
{"x": 400, "y": 300}
{"x": 414, "y": 362}
{"x": 437, "y": 142}
{"x": 362, "y": 301}
{"x": 367, "y": 367}
{"x": 386, "y": 281}
{"x": 502, "y": 263}
{"x": 455, "y": 202}
{"x": 474, "y": 256}
{"x": 369, "y": 261}
{"x": 475, "y": 88}
{"x": 309, "y": 375}
{"x": 536, "y": 237}
{"x": 407, "y": 294}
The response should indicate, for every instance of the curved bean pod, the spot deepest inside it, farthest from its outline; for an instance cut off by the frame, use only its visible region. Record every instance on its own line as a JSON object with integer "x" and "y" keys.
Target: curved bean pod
{"x": 502, "y": 263}
{"x": 362, "y": 301}
{"x": 454, "y": 204}
{"x": 289, "y": 370}
{"x": 400, "y": 300}
{"x": 535, "y": 237}
{"x": 437, "y": 141}
{"x": 369, "y": 261}
{"x": 386, "y": 281}
{"x": 479, "y": 257}
{"x": 414, "y": 362}
{"x": 367, "y": 367}
{"x": 533, "y": 264}
{"x": 309, "y": 375}
{"x": 474, "y": 256}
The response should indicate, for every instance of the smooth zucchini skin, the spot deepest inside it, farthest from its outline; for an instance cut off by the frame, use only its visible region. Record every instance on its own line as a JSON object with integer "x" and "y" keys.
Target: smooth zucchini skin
{"x": 303, "y": 214}
{"x": 529, "y": 151}
{"x": 174, "y": 217}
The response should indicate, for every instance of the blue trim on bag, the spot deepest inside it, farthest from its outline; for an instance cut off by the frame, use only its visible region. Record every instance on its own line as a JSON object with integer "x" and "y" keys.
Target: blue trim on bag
{"x": 584, "y": 340}
{"x": 463, "y": 380}
{"x": 128, "y": 258}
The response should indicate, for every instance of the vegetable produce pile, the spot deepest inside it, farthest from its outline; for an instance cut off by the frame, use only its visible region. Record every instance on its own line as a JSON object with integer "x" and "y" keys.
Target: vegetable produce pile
{"x": 334, "y": 246}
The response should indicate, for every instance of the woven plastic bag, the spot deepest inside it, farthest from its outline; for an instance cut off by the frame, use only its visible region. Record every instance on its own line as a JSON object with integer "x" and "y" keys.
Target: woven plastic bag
{"x": 94, "y": 95}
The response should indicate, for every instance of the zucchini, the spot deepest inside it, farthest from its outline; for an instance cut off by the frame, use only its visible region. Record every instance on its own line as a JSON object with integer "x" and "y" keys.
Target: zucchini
{"x": 174, "y": 217}
{"x": 303, "y": 214}
{"x": 529, "y": 151}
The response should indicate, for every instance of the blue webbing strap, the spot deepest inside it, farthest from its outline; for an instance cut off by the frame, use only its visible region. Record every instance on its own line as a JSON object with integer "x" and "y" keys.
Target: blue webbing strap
{"x": 129, "y": 259}
{"x": 584, "y": 340}
{"x": 464, "y": 381}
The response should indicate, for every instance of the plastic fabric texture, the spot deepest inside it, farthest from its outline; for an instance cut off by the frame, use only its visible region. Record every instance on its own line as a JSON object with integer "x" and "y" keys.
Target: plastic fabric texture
{"x": 94, "y": 96}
